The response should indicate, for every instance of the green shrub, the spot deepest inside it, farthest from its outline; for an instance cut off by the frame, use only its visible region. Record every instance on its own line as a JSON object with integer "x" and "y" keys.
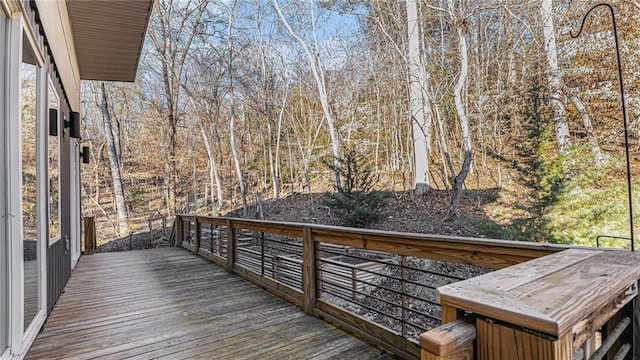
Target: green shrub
{"x": 355, "y": 203}
{"x": 543, "y": 172}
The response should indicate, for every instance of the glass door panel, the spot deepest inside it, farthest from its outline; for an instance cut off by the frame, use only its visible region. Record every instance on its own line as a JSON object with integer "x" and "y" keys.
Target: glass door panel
{"x": 28, "y": 120}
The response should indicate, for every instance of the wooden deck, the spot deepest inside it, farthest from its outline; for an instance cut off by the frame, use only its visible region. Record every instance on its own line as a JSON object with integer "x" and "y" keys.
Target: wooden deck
{"x": 168, "y": 303}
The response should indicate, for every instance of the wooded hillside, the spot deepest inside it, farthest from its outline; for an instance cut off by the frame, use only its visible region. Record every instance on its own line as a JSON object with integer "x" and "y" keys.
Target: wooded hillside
{"x": 240, "y": 103}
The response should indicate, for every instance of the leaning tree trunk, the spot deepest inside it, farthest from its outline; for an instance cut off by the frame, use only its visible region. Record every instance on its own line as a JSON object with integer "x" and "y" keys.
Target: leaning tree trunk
{"x": 114, "y": 163}
{"x": 213, "y": 173}
{"x": 278, "y": 138}
{"x": 457, "y": 181}
{"x": 588, "y": 127}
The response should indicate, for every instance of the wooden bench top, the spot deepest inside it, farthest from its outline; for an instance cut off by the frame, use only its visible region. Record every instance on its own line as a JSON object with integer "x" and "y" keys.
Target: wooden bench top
{"x": 551, "y": 294}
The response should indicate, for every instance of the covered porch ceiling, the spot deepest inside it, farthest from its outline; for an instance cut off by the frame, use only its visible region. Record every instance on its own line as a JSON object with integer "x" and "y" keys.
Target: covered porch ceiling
{"x": 109, "y": 36}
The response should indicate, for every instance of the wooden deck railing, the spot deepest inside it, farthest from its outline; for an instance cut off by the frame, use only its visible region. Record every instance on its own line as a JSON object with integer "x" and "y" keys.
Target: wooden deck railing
{"x": 378, "y": 285}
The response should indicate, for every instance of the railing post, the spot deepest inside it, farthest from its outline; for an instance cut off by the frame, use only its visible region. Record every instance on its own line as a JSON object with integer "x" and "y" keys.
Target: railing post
{"x": 274, "y": 268}
{"x": 89, "y": 236}
{"x": 178, "y": 232}
{"x": 453, "y": 341}
{"x": 309, "y": 271}
{"x": 164, "y": 227}
{"x": 219, "y": 239}
{"x": 189, "y": 232}
{"x": 198, "y": 231}
{"x": 449, "y": 314}
{"x": 211, "y": 238}
{"x": 354, "y": 282}
{"x": 231, "y": 245}
{"x": 496, "y": 340}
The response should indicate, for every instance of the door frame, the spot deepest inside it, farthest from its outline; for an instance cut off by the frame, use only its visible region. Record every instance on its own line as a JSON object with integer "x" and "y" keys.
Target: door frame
{"x": 4, "y": 236}
{"x": 75, "y": 208}
{"x": 19, "y": 34}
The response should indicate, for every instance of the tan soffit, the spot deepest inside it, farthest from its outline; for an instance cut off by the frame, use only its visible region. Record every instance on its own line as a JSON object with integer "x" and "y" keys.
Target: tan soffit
{"x": 108, "y": 36}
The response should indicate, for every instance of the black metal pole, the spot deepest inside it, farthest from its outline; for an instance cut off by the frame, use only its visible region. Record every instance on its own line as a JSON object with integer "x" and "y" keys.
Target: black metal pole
{"x": 624, "y": 109}
{"x": 262, "y": 253}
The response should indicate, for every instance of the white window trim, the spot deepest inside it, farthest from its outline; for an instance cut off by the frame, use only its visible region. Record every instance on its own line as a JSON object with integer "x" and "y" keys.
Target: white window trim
{"x": 4, "y": 238}
{"x": 60, "y": 130}
{"x": 75, "y": 180}
{"x": 10, "y": 7}
{"x": 41, "y": 203}
{"x": 32, "y": 331}
{"x": 13, "y": 188}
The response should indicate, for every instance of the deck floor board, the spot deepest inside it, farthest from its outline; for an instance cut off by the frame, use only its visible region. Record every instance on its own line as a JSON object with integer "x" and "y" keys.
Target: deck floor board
{"x": 168, "y": 303}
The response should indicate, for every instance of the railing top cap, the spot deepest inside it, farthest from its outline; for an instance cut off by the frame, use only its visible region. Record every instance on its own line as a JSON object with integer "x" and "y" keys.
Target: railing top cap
{"x": 390, "y": 235}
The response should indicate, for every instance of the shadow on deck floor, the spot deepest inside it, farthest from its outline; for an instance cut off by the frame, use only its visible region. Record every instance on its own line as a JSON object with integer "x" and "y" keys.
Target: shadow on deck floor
{"x": 168, "y": 303}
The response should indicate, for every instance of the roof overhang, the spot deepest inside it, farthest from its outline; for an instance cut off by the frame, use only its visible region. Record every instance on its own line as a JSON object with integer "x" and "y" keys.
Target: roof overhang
{"x": 108, "y": 37}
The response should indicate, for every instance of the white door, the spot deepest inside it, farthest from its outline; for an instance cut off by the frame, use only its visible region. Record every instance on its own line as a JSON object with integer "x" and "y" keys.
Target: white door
{"x": 75, "y": 202}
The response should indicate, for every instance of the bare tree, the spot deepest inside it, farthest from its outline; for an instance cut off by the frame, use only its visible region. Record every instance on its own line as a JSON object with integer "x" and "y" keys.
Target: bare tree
{"x": 172, "y": 33}
{"x": 267, "y": 85}
{"x": 312, "y": 53}
{"x": 232, "y": 108}
{"x": 259, "y": 78}
{"x": 457, "y": 180}
{"x": 114, "y": 163}
{"x": 205, "y": 122}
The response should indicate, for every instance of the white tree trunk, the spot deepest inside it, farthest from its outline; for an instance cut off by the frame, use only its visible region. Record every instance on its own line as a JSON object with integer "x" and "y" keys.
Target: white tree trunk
{"x": 419, "y": 109}
{"x": 553, "y": 76}
{"x": 213, "y": 173}
{"x": 588, "y": 127}
{"x": 313, "y": 58}
{"x": 215, "y": 185}
{"x": 458, "y": 180}
{"x": 232, "y": 110}
{"x": 216, "y": 174}
{"x": 279, "y": 137}
{"x": 266, "y": 92}
{"x": 116, "y": 169}
{"x": 457, "y": 91}
{"x": 444, "y": 150}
